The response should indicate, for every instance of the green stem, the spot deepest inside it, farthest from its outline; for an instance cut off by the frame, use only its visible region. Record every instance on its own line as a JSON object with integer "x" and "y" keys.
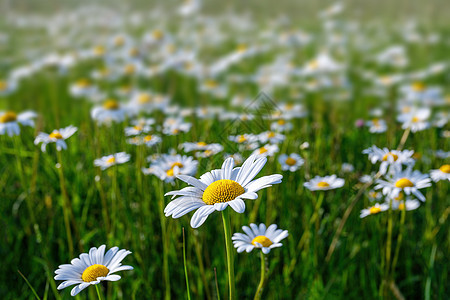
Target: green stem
{"x": 162, "y": 219}
{"x": 386, "y": 280}
{"x": 185, "y": 267}
{"x": 229, "y": 247}
{"x": 399, "y": 242}
{"x": 98, "y": 292}
{"x": 263, "y": 278}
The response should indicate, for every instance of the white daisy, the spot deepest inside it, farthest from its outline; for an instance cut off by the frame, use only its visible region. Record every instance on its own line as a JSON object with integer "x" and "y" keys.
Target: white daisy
{"x": 174, "y": 126}
{"x": 266, "y": 150}
{"x": 7, "y": 87}
{"x": 373, "y": 210}
{"x": 409, "y": 204}
{"x": 259, "y": 237}
{"x": 110, "y": 160}
{"x": 92, "y": 268}
{"x": 416, "y": 120}
{"x": 149, "y": 140}
{"x": 290, "y": 162}
{"x": 110, "y": 111}
{"x": 58, "y": 136}
{"x": 9, "y": 121}
{"x": 281, "y": 125}
{"x": 407, "y": 181}
{"x": 271, "y": 137}
{"x": 376, "y": 125}
{"x": 137, "y": 129}
{"x": 83, "y": 88}
{"x": 324, "y": 183}
{"x": 219, "y": 188}
{"x": 390, "y": 159}
{"x": 443, "y": 173}
{"x": 168, "y": 166}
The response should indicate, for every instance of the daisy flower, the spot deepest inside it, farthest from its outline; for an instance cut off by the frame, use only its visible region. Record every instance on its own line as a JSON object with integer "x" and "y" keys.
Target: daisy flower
{"x": 324, "y": 183}
{"x": 443, "y": 173}
{"x": 271, "y": 137}
{"x": 376, "y": 126}
{"x": 110, "y": 111}
{"x": 281, "y": 125}
{"x": 389, "y": 158}
{"x": 83, "y": 88}
{"x": 58, "y": 136}
{"x": 168, "y": 166}
{"x": 416, "y": 119}
{"x": 373, "y": 210}
{"x": 7, "y": 87}
{"x": 409, "y": 204}
{"x": 110, "y": 160}
{"x": 149, "y": 140}
{"x": 9, "y": 121}
{"x": 266, "y": 150}
{"x": 290, "y": 162}
{"x": 407, "y": 181}
{"x": 172, "y": 126}
{"x": 219, "y": 188}
{"x": 92, "y": 268}
{"x": 259, "y": 237}
{"x": 137, "y": 129}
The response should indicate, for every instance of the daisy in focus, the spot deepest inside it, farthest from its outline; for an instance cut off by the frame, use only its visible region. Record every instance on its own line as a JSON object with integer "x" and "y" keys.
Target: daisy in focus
{"x": 220, "y": 188}
{"x": 9, "y": 121}
{"x": 290, "y": 162}
{"x": 92, "y": 268}
{"x": 259, "y": 237}
{"x": 58, "y": 136}
{"x": 324, "y": 183}
{"x": 407, "y": 181}
{"x": 111, "y": 160}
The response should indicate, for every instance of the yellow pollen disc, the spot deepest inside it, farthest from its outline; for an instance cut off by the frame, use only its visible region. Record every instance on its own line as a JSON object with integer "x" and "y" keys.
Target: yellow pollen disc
{"x": 241, "y": 48}
{"x": 290, "y": 161}
{"x": 263, "y": 240}
{"x": 129, "y": 69}
{"x": 201, "y": 144}
{"x": 417, "y": 155}
{"x": 175, "y": 131}
{"x": 8, "y": 116}
{"x": 148, "y": 138}
{"x": 211, "y": 83}
{"x": 415, "y": 119}
{"x": 3, "y": 85}
{"x": 373, "y": 194}
{"x": 134, "y": 52}
{"x": 170, "y": 172}
{"x": 403, "y": 183}
{"x": 374, "y": 210}
{"x": 376, "y": 122}
{"x": 271, "y": 135}
{"x": 93, "y": 272}
{"x": 445, "y": 169}
{"x": 137, "y": 127}
{"x": 176, "y": 164}
{"x": 314, "y": 64}
{"x": 144, "y": 98}
{"x": 111, "y": 104}
{"x": 55, "y": 135}
{"x": 418, "y": 86}
{"x": 281, "y": 122}
{"x": 119, "y": 41}
{"x": 222, "y": 191}
{"x": 241, "y": 139}
{"x": 158, "y": 34}
{"x": 111, "y": 160}
{"x": 262, "y": 150}
{"x": 83, "y": 83}
{"x": 323, "y": 184}
{"x": 99, "y": 50}
{"x": 401, "y": 206}
{"x": 386, "y": 156}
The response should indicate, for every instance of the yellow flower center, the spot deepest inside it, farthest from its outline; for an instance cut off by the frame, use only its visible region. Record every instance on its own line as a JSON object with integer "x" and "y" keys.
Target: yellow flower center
{"x": 148, "y": 138}
{"x": 221, "y": 191}
{"x": 263, "y": 240}
{"x": 144, "y": 98}
{"x": 83, "y": 83}
{"x": 323, "y": 184}
{"x": 445, "y": 169}
{"x": 55, "y": 135}
{"x": 93, "y": 272}
{"x": 401, "y": 206}
{"x": 418, "y": 86}
{"x": 3, "y": 85}
{"x": 415, "y": 119}
{"x": 241, "y": 139}
{"x": 8, "y": 116}
{"x": 119, "y": 41}
{"x": 262, "y": 150}
{"x": 129, "y": 69}
{"x": 111, "y": 104}
{"x": 403, "y": 183}
{"x": 111, "y": 160}
{"x": 211, "y": 83}
{"x": 281, "y": 122}
{"x": 241, "y": 48}
{"x": 99, "y": 50}
{"x": 374, "y": 210}
{"x": 400, "y": 197}
{"x": 170, "y": 172}
{"x": 290, "y": 161}
{"x": 201, "y": 144}
{"x": 137, "y": 127}
{"x": 158, "y": 34}
{"x": 177, "y": 164}
{"x": 387, "y": 155}
{"x": 271, "y": 135}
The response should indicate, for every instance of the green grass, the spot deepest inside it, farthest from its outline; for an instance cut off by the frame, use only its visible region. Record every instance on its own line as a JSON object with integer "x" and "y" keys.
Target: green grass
{"x": 34, "y": 239}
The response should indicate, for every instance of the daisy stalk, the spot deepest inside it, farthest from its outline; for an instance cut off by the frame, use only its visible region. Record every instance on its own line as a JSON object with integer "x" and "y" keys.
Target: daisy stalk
{"x": 230, "y": 252}
{"x": 262, "y": 281}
